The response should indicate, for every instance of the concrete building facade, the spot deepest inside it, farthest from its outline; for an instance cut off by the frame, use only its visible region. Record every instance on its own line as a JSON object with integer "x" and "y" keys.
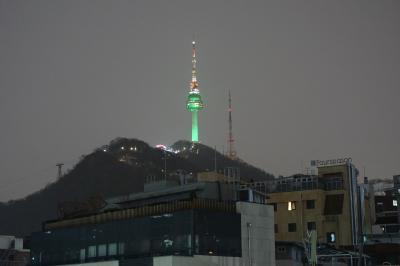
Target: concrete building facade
{"x": 328, "y": 202}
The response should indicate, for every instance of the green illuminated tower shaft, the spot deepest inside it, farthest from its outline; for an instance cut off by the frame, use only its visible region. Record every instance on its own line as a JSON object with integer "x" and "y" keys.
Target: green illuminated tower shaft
{"x": 195, "y": 126}
{"x": 194, "y": 103}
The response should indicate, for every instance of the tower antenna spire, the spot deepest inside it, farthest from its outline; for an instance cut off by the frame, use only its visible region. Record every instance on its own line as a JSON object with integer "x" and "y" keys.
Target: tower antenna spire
{"x": 194, "y": 102}
{"x": 194, "y": 84}
{"x": 231, "y": 142}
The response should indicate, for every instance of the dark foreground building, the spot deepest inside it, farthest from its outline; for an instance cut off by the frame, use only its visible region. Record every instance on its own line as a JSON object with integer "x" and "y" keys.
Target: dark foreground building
{"x": 198, "y": 224}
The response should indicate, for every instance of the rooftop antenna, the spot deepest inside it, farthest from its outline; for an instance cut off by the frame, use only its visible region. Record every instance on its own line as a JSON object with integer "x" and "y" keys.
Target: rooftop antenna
{"x": 231, "y": 142}
{"x": 59, "y": 165}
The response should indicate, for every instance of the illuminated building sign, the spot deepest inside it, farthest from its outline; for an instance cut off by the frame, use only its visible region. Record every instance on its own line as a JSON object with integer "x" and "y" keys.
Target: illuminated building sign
{"x": 340, "y": 161}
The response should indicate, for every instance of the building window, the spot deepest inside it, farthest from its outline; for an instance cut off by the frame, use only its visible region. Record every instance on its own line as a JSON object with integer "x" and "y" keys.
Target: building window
{"x": 281, "y": 249}
{"x": 102, "y": 250}
{"x": 82, "y": 255}
{"x": 276, "y": 228}
{"x": 121, "y": 248}
{"x": 333, "y": 182}
{"x": 395, "y": 203}
{"x": 292, "y": 227}
{"x": 379, "y": 207}
{"x": 331, "y": 237}
{"x": 92, "y": 252}
{"x": 311, "y": 226}
{"x": 310, "y": 204}
{"x": 112, "y": 249}
{"x": 291, "y": 205}
{"x": 244, "y": 195}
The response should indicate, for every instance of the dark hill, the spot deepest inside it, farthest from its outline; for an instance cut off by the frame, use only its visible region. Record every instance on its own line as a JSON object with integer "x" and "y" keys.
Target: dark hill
{"x": 203, "y": 157}
{"x": 115, "y": 169}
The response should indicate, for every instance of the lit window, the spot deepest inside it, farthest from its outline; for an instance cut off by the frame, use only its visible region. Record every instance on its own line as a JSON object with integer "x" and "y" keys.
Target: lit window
{"x": 92, "y": 252}
{"x": 291, "y": 205}
{"x": 112, "y": 249}
{"x": 102, "y": 250}
{"x": 395, "y": 203}
{"x": 331, "y": 237}
{"x": 82, "y": 255}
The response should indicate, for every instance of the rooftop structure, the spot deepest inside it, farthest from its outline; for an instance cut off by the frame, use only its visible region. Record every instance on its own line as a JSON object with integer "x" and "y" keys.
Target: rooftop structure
{"x": 194, "y": 102}
{"x": 12, "y": 251}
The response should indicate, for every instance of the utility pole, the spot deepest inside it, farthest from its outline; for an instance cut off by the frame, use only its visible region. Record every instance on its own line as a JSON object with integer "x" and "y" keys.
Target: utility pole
{"x": 215, "y": 159}
{"x": 165, "y": 165}
{"x": 59, "y": 165}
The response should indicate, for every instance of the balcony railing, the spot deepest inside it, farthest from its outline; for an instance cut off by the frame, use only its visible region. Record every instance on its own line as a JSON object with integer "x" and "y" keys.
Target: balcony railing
{"x": 297, "y": 183}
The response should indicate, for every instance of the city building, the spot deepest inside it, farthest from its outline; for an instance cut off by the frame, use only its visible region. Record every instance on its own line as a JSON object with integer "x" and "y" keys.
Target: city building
{"x": 13, "y": 252}
{"x": 386, "y": 197}
{"x": 190, "y": 223}
{"x": 330, "y": 202}
{"x": 383, "y": 244}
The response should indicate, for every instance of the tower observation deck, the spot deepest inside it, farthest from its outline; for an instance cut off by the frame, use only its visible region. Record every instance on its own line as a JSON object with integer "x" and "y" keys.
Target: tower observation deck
{"x": 194, "y": 102}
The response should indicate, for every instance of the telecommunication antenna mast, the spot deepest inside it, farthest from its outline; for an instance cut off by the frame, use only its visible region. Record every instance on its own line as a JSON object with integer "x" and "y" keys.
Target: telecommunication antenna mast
{"x": 194, "y": 102}
{"x": 231, "y": 142}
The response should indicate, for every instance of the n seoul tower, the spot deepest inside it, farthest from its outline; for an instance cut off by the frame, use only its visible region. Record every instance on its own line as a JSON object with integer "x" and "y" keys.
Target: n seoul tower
{"x": 194, "y": 103}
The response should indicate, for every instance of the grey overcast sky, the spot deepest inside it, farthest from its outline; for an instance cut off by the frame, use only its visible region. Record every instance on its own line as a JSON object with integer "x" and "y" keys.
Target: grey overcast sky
{"x": 309, "y": 80}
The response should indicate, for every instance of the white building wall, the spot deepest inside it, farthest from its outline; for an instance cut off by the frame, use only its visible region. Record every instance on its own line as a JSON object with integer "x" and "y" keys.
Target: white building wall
{"x": 258, "y": 237}
{"x": 197, "y": 260}
{"x": 100, "y": 263}
{"x": 5, "y": 242}
{"x": 11, "y": 242}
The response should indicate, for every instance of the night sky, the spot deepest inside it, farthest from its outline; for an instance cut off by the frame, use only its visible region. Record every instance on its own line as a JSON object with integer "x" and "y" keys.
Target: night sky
{"x": 309, "y": 80}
